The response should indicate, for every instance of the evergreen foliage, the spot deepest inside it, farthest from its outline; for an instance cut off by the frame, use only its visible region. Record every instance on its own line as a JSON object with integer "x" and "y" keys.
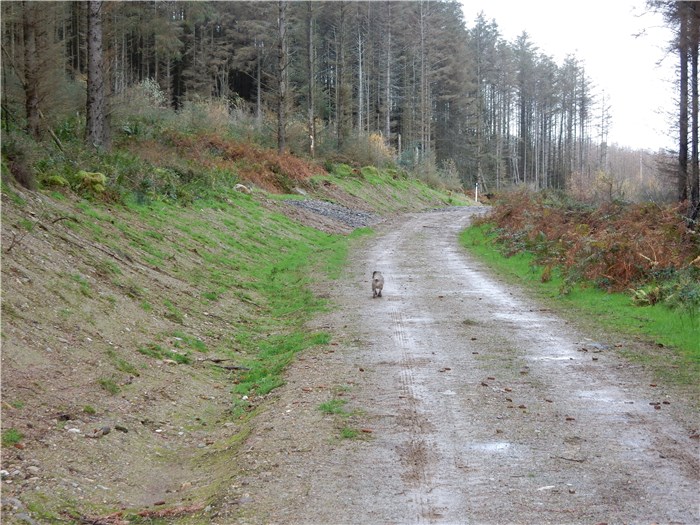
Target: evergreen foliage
{"x": 408, "y": 75}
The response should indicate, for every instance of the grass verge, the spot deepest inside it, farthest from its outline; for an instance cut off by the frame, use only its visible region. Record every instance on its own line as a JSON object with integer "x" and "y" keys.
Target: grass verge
{"x": 671, "y": 331}
{"x": 345, "y": 421}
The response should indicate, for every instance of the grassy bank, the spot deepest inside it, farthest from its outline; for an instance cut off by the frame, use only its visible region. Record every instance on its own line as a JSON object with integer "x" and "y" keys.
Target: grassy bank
{"x": 159, "y": 290}
{"x": 678, "y": 332}
{"x": 169, "y": 312}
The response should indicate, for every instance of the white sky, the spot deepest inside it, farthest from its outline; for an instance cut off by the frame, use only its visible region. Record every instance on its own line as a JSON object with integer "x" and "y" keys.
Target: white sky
{"x": 601, "y": 34}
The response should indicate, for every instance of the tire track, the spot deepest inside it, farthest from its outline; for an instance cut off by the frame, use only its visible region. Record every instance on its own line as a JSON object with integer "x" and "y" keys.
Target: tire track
{"x": 415, "y": 452}
{"x": 481, "y": 408}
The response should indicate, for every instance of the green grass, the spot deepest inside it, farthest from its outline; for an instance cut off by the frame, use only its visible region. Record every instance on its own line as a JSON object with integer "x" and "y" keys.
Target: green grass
{"x": 8, "y": 190}
{"x": 109, "y": 385}
{"x": 182, "y": 340}
{"x": 11, "y": 437}
{"x": 212, "y": 296}
{"x": 349, "y": 433}
{"x": 343, "y": 418}
{"x": 615, "y": 311}
{"x": 107, "y": 268}
{"x": 122, "y": 364}
{"x": 388, "y": 190}
{"x": 335, "y": 406}
{"x": 172, "y": 313}
{"x": 271, "y": 358}
{"x": 83, "y": 285}
{"x": 158, "y": 352}
{"x": 280, "y": 291}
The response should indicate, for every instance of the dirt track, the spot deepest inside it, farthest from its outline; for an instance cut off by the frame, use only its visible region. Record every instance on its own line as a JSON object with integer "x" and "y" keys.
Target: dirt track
{"x": 476, "y": 405}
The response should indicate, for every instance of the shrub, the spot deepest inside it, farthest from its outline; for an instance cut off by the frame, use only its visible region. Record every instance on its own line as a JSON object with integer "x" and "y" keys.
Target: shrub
{"x": 368, "y": 150}
{"x": 616, "y": 246}
{"x": 343, "y": 171}
{"x": 91, "y": 181}
{"x": 449, "y": 176}
{"x": 20, "y": 153}
{"x": 202, "y": 115}
{"x": 141, "y": 110}
{"x": 55, "y": 181}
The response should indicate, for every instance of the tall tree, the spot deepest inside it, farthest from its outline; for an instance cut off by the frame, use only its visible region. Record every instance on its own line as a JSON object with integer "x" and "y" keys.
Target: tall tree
{"x": 343, "y": 92}
{"x": 97, "y": 125}
{"x": 683, "y": 103}
{"x": 31, "y": 67}
{"x": 693, "y": 44}
{"x": 310, "y": 77}
{"x": 525, "y": 53}
{"x": 282, "y": 76}
{"x": 499, "y": 111}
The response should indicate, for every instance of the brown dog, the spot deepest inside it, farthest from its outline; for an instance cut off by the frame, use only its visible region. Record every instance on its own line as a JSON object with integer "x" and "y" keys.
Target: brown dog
{"x": 377, "y": 284}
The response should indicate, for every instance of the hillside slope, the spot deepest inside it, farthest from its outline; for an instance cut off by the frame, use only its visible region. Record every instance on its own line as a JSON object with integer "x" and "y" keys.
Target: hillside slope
{"x": 131, "y": 333}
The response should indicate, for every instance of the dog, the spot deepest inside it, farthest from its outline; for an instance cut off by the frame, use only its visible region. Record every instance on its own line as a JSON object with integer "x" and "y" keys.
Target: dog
{"x": 377, "y": 284}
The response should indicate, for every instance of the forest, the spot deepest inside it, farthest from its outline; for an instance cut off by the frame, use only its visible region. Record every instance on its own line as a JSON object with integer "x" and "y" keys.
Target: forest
{"x": 441, "y": 95}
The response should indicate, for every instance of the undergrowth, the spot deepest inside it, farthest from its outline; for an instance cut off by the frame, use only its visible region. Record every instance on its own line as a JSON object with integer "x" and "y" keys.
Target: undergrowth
{"x": 616, "y": 246}
{"x": 161, "y": 153}
{"x": 667, "y": 326}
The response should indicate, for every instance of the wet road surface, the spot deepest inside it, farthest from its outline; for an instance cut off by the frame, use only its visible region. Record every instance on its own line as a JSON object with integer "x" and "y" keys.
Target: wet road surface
{"x": 479, "y": 406}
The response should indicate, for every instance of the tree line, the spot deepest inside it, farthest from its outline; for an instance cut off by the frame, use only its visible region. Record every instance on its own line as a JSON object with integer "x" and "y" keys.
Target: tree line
{"x": 440, "y": 95}
{"x": 684, "y": 17}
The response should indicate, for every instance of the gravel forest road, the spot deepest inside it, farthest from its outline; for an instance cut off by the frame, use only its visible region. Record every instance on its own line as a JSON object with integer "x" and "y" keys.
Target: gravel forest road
{"x": 473, "y": 404}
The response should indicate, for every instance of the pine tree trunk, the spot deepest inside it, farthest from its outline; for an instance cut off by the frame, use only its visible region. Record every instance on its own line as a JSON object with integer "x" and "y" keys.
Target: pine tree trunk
{"x": 97, "y": 129}
{"x": 342, "y": 89}
{"x": 258, "y": 86}
{"x": 387, "y": 87}
{"x": 694, "y": 21}
{"x": 683, "y": 102}
{"x": 360, "y": 88}
{"x": 311, "y": 110}
{"x": 424, "y": 146}
{"x": 282, "y": 77}
{"x": 31, "y": 71}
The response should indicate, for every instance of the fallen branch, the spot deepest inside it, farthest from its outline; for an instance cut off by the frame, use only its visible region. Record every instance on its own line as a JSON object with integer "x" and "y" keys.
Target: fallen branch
{"x": 112, "y": 519}
{"x": 64, "y": 219}
{"x": 118, "y": 518}
{"x": 217, "y": 360}
{"x": 570, "y": 459}
{"x": 16, "y": 239}
{"x": 172, "y": 512}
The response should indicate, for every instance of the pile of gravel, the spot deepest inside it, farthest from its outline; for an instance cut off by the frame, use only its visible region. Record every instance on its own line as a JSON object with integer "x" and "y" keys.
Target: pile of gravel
{"x": 353, "y": 218}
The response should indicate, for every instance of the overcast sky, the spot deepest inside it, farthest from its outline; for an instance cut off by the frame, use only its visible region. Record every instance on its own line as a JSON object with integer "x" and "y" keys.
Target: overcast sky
{"x": 601, "y": 34}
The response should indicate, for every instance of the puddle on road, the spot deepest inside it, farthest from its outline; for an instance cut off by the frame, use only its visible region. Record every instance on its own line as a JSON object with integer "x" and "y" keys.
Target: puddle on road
{"x": 601, "y": 396}
{"x": 497, "y": 446}
{"x": 419, "y": 320}
{"x": 553, "y": 358}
